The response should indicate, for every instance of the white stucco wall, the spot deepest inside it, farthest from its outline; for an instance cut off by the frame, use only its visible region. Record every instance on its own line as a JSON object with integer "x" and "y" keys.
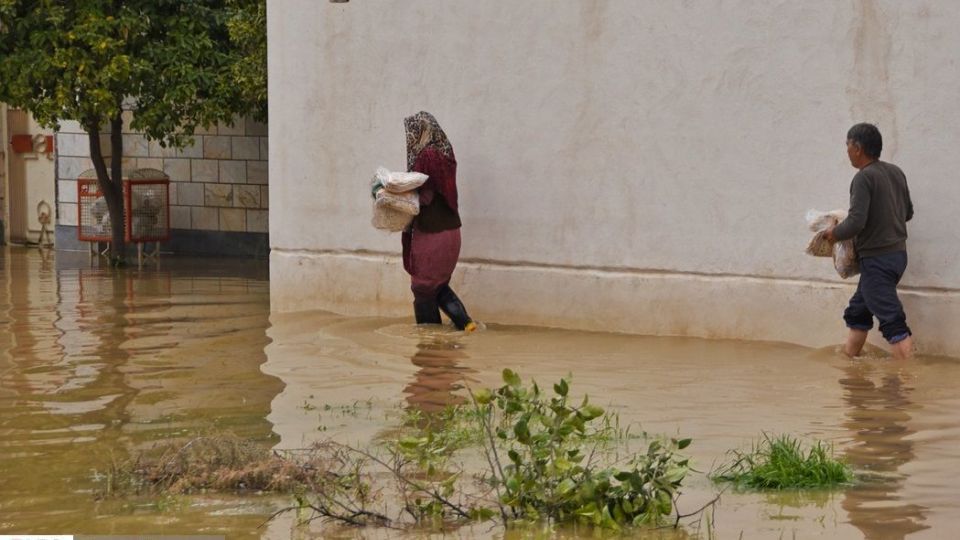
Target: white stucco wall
{"x": 633, "y": 166}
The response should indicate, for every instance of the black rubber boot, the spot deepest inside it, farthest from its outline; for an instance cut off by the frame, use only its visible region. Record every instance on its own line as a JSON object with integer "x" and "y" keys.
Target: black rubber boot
{"x": 426, "y": 312}
{"x": 453, "y": 307}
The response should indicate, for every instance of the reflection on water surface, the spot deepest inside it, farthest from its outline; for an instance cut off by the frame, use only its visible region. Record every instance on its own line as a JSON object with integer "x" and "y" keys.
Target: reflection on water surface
{"x": 98, "y": 365}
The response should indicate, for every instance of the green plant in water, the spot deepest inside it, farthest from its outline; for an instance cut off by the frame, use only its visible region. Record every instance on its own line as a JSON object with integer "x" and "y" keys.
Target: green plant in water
{"x": 437, "y": 436}
{"x": 550, "y": 461}
{"x": 781, "y": 463}
{"x": 550, "y": 470}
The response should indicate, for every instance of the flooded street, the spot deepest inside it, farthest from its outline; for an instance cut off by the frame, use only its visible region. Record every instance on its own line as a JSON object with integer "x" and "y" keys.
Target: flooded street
{"x": 96, "y": 366}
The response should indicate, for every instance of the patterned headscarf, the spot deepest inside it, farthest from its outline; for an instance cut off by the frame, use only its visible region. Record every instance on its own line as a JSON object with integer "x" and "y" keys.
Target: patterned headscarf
{"x": 422, "y": 131}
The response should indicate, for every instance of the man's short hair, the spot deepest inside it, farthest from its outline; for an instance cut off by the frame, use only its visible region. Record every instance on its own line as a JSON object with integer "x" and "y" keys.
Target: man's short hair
{"x": 868, "y": 138}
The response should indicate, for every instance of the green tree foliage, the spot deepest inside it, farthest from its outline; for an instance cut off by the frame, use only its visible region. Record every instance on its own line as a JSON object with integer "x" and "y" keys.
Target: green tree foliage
{"x": 248, "y": 30}
{"x": 179, "y": 64}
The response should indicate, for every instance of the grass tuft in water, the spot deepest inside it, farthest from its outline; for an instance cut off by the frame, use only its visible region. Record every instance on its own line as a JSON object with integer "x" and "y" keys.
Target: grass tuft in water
{"x": 781, "y": 463}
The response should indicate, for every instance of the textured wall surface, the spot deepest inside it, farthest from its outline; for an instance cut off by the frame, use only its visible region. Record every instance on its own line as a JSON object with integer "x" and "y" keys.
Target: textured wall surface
{"x": 219, "y": 183}
{"x": 622, "y": 165}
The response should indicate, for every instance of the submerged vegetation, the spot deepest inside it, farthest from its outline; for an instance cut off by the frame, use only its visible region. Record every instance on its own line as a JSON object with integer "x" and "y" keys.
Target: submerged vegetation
{"x": 548, "y": 459}
{"x": 514, "y": 455}
{"x": 781, "y": 463}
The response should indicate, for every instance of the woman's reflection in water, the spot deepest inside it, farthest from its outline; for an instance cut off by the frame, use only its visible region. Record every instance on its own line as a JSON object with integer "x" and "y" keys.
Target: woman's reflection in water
{"x": 878, "y": 400}
{"x": 440, "y": 381}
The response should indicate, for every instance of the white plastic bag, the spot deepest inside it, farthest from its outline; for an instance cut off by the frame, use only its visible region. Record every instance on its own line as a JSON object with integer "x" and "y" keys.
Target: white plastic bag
{"x": 398, "y": 182}
{"x": 401, "y": 182}
{"x": 843, "y": 253}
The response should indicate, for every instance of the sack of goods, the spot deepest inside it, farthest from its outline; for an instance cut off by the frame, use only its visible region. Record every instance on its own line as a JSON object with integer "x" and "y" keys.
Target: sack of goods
{"x": 395, "y": 198}
{"x": 843, "y": 253}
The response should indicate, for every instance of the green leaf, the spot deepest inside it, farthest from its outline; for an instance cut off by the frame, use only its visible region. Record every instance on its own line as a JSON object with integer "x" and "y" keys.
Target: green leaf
{"x": 483, "y": 396}
{"x": 683, "y": 443}
{"x": 561, "y": 388}
{"x": 566, "y": 486}
{"x": 482, "y": 514}
{"x": 511, "y": 378}
{"x": 522, "y": 431}
{"x": 590, "y": 412}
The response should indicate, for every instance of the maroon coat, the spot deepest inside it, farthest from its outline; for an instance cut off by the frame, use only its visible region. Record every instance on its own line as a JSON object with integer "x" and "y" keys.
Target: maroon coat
{"x": 432, "y": 247}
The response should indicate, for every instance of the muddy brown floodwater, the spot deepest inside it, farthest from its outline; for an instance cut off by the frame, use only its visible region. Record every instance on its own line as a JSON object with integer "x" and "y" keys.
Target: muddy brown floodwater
{"x": 97, "y": 366}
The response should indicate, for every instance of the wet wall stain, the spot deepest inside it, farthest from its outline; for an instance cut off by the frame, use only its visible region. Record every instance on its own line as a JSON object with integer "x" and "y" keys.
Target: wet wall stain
{"x": 871, "y": 99}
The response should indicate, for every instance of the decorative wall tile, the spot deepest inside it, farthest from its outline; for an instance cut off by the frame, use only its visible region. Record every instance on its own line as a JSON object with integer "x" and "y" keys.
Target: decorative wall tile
{"x": 257, "y": 172}
{"x": 190, "y": 194}
{"x": 255, "y": 128}
{"x": 135, "y": 145}
{"x": 192, "y": 150}
{"x": 180, "y": 217}
{"x": 264, "y": 149}
{"x": 69, "y": 168}
{"x": 257, "y": 221}
{"x": 245, "y": 147}
{"x": 218, "y": 182}
{"x": 247, "y": 196}
{"x": 155, "y": 149}
{"x": 150, "y": 163}
{"x": 177, "y": 169}
{"x": 68, "y": 214}
{"x": 216, "y": 147}
{"x": 205, "y": 130}
{"x": 73, "y": 144}
{"x": 204, "y": 170}
{"x": 70, "y": 126}
{"x": 67, "y": 191}
{"x": 233, "y": 172}
{"x": 205, "y": 219}
{"x": 218, "y": 194}
{"x": 233, "y": 219}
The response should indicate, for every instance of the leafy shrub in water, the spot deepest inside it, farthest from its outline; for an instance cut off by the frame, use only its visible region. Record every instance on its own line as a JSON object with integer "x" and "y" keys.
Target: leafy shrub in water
{"x": 780, "y": 463}
{"x": 550, "y": 471}
{"x": 549, "y": 460}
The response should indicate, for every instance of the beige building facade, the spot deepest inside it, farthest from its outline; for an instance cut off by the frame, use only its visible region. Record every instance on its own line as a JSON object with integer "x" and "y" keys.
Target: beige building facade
{"x": 624, "y": 166}
{"x": 27, "y": 186}
{"x": 219, "y": 191}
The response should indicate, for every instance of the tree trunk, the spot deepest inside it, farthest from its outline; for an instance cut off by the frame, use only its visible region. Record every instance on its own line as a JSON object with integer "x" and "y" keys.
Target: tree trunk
{"x": 111, "y": 184}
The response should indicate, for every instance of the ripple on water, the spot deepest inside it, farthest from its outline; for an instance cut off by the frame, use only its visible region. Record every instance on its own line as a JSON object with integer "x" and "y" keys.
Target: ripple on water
{"x": 97, "y": 365}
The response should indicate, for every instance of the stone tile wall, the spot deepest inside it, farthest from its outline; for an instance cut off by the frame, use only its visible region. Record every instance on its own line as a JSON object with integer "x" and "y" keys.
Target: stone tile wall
{"x": 218, "y": 183}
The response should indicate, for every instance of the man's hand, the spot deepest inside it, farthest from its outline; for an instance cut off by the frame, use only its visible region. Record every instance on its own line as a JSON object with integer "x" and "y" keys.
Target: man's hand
{"x": 828, "y": 235}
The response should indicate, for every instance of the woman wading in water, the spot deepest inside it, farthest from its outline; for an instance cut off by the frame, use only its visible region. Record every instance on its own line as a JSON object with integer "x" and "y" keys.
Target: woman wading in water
{"x": 431, "y": 246}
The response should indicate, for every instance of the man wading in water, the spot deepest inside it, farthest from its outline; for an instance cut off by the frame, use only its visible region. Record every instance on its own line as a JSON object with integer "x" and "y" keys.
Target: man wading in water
{"x": 880, "y": 208}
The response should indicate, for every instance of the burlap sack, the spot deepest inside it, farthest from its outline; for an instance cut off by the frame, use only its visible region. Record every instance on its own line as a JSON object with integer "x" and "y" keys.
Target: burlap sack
{"x": 388, "y": 219}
